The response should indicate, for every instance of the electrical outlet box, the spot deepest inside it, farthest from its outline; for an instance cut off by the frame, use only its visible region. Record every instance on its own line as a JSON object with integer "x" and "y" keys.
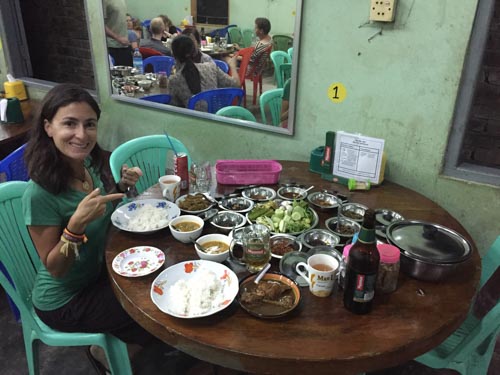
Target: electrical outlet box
{"x": 382, "y": 10}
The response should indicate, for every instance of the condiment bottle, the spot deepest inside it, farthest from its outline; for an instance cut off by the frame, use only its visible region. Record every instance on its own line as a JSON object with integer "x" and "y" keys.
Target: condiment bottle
{"x": 353, "y": 184}
{"x": 388, "y": 271}
{"x": 162, "y": 80}
{"x": 362, "y": 267}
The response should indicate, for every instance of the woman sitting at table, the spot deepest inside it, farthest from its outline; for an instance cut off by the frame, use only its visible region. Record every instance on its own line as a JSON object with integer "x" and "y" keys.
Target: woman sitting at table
{"x": 262, "y": 49}
{"x": 199, "y": 57}
{"x": 170, "y": 29}
{"x": 67, "y": 207}
{"x": 192, "y": 78}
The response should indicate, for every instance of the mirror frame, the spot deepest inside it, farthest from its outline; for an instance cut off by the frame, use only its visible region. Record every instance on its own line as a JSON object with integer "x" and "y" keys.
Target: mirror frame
{"x": 250, "y": 124}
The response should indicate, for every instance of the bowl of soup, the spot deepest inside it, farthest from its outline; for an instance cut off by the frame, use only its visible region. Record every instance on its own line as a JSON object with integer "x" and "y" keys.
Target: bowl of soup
{"x": 186, "y": 228}
{"x": 292, "y": 193}
{"x": 214, "y": 247}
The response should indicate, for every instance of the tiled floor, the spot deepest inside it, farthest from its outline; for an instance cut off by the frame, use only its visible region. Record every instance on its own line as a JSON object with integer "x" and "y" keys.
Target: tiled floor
{"x": 73, "y": 360}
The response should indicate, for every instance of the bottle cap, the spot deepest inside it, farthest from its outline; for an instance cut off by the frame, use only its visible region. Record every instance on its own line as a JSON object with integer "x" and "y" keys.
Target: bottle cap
{"x": 388, "y": 253}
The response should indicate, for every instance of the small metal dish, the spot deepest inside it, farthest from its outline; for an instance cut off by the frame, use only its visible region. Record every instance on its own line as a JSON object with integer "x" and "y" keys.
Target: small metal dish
{"x": 318, "y": 237}
{"x": 384, "y": 218}
{"x": 323, "y": 201}
{"x": 348, "y": 228}
{"x": 237, "y": 204}
{"x": 259, "y": 194}
{"x": 225, "y": 221}
{"x": 282, "y": 244}
{"x": 208, "y": 214}
{"x": 292, "y": 193}
{"x": 354, "y": 211}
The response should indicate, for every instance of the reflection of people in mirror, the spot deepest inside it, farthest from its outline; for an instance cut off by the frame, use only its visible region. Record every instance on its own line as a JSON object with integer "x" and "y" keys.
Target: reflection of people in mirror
{"x": 191, "y": 78}
{"x": 285, "y": 104}
{"x": 170, "y": 29}
{"x": 263, "y": 47}
{"x": 67, "y": 208}
{"x": 116, "y": 31}
{"x": 157, "y": 28}
{"x": 134, "y": 31}
{"x": 199, "y": 57}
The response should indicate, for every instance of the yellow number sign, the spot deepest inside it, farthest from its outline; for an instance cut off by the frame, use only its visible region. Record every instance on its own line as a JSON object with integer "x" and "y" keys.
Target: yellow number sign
{"x": 337, "y": 92}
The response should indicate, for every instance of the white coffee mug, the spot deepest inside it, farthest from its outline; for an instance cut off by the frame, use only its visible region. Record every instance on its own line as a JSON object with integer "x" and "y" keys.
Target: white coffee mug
{"x": 170, "y": 186}
{"x": 321, "y": 273}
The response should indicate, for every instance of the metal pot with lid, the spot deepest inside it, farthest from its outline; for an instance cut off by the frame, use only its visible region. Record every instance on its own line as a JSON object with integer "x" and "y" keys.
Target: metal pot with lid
{"x": 429, "y": 252}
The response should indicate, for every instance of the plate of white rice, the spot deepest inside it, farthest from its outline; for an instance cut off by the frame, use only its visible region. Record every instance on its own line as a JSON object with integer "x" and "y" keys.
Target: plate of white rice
{"x": 194, "y": 289}
{"x": 145, "y": 215}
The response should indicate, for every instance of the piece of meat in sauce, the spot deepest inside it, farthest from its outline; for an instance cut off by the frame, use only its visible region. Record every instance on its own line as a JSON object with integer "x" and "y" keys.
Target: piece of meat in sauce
{"x": 269, "y": 292}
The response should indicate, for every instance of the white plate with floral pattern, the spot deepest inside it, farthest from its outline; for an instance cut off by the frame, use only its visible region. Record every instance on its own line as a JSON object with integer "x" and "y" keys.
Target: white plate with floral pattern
{"x": 138, "y": 261}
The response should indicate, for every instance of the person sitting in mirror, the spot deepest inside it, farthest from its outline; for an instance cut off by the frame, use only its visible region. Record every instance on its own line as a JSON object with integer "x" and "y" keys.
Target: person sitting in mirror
{"x": 263, "y": 47}
{"x": 170, "y": 29}
{"x": 116, "y": 31}
{"x": 132, "y": 36}
{"x": 157, "y": 28}
{"x": 199, "y": 56}
{"x": 134, "y": 24}
{"x": 67, "y": 208}
{"x": 191, "y": 78}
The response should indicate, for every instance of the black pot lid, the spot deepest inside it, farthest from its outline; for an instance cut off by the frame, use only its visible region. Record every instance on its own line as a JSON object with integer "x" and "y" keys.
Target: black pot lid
{"x": 432, "y": 243}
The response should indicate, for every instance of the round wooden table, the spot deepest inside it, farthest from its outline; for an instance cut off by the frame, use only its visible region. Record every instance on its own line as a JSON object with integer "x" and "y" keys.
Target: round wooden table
{"x": 320, "y": 337}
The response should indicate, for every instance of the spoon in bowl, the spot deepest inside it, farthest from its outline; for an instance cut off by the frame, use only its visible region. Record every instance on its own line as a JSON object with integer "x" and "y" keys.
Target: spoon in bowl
{"x": 262, "y": 273}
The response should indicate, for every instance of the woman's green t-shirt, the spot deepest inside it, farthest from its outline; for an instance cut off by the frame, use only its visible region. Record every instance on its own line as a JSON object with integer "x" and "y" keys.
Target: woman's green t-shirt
{"x": 43, "y": 208}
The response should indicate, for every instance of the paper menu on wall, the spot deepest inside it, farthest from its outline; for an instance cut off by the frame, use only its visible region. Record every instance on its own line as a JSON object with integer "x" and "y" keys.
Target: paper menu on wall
{"x": 357, "y": 156}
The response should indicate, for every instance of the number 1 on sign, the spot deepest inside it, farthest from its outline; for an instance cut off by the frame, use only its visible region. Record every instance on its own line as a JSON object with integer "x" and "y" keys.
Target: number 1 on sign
{"x": 337, "y": 92}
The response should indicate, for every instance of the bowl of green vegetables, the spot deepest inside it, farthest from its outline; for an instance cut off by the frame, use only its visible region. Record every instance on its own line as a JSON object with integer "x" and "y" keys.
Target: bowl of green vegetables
{"x": 284, "y": 216}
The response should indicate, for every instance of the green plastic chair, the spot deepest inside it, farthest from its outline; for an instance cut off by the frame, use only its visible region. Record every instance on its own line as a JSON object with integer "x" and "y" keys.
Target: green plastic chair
{"x": 273, "y": 99}
{"x": 248, "y": 37}
{"x": 21, "y": 260}
{"x": 282, "y": 42}
{"x": 237, "y": 112}
{"x": 278, "y": 58}
{"x": 290, "y": 52}
{"x": 235, "y": 35}
{"x": 470, "y": 348}
{"x": 150, "y": 153}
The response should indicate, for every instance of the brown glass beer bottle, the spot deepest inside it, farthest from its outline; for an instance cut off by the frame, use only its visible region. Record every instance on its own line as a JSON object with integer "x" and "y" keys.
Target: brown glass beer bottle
{"x": 362, "y": 267}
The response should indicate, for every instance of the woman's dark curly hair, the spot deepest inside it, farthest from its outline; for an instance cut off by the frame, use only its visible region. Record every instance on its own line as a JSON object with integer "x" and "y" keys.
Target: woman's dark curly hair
{"x": 46, "y": 164}
{"x": 184, "y": 49}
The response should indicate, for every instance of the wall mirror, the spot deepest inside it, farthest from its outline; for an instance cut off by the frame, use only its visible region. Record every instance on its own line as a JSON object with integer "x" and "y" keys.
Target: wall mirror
{"x": 275, "y": 10}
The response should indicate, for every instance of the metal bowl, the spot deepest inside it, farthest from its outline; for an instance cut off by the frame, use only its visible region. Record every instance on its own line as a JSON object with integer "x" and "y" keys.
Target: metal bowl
{"x": 383, "y": 218}
{"x": 292, "y": 193}
{"x": 121, "y": 70}
{"x": 318, "y": 237}
{"x": 292, "y": 243}
{"x": 323, "y": 201}
{"x": 259, "y": 194}
{"x": 348, "y": 228}
{"x": 225, "y": 221}
{"x": 354, "y": 211}
{"x": 237, "y": 204}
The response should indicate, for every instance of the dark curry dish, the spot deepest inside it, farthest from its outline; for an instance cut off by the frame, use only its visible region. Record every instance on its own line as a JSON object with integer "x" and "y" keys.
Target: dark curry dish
{"x": 267, "y": 298}
{"x": 196, "y": 202}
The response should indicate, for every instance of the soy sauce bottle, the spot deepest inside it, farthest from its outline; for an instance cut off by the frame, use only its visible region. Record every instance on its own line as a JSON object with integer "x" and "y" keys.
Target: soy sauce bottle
{"x": 362, "y": 268}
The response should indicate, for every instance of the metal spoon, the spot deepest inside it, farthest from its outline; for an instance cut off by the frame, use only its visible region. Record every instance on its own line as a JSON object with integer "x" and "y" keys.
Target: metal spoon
{"x": 208, "y": 250}
{"x": 339, "y": 210}
{"x": 309, "y": 188}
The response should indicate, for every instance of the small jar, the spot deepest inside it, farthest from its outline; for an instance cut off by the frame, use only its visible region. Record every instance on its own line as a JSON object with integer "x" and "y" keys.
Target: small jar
{"x": 353, "y": 184}
{"x": 162, "y": 80}
{"x": 388, "y": 270}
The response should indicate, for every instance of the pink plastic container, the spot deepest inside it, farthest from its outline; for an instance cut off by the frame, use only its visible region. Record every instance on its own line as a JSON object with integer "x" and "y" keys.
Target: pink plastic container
{"x": 245, "y": 172}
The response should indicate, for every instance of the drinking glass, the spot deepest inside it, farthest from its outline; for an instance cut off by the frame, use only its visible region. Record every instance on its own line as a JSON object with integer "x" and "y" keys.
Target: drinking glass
{"x": 256, "y": 247}
{"x": 203, "y": 175}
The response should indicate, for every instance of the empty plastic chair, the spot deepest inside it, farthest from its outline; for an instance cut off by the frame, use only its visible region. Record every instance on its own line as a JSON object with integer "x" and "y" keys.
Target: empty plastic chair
{"x": 13, "y": 167}
{"x": 222, "y": 64}
{"x": 248, "y": 37}
{"x": 470, "y": 348}
{"x": 159, "y": 64}
{"x": 235, "y": 36}
{"x": 216, "y": 99}
{"x": 282, "y": 42}
{"x": 237, "y": 112}
{"x": 150, "y": 153}
{"x": 285, "y": 72}
{"x": 278, "y": 58}
{"x": 21, "y": 260}
{"x": 158, "y": 98}
{"x": 272, "y": 99}
{"x": 290, "y": 52}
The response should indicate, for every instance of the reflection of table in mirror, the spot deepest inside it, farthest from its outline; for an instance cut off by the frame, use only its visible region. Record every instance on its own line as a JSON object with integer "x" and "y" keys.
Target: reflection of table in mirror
{"x": 321, "y": 336}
